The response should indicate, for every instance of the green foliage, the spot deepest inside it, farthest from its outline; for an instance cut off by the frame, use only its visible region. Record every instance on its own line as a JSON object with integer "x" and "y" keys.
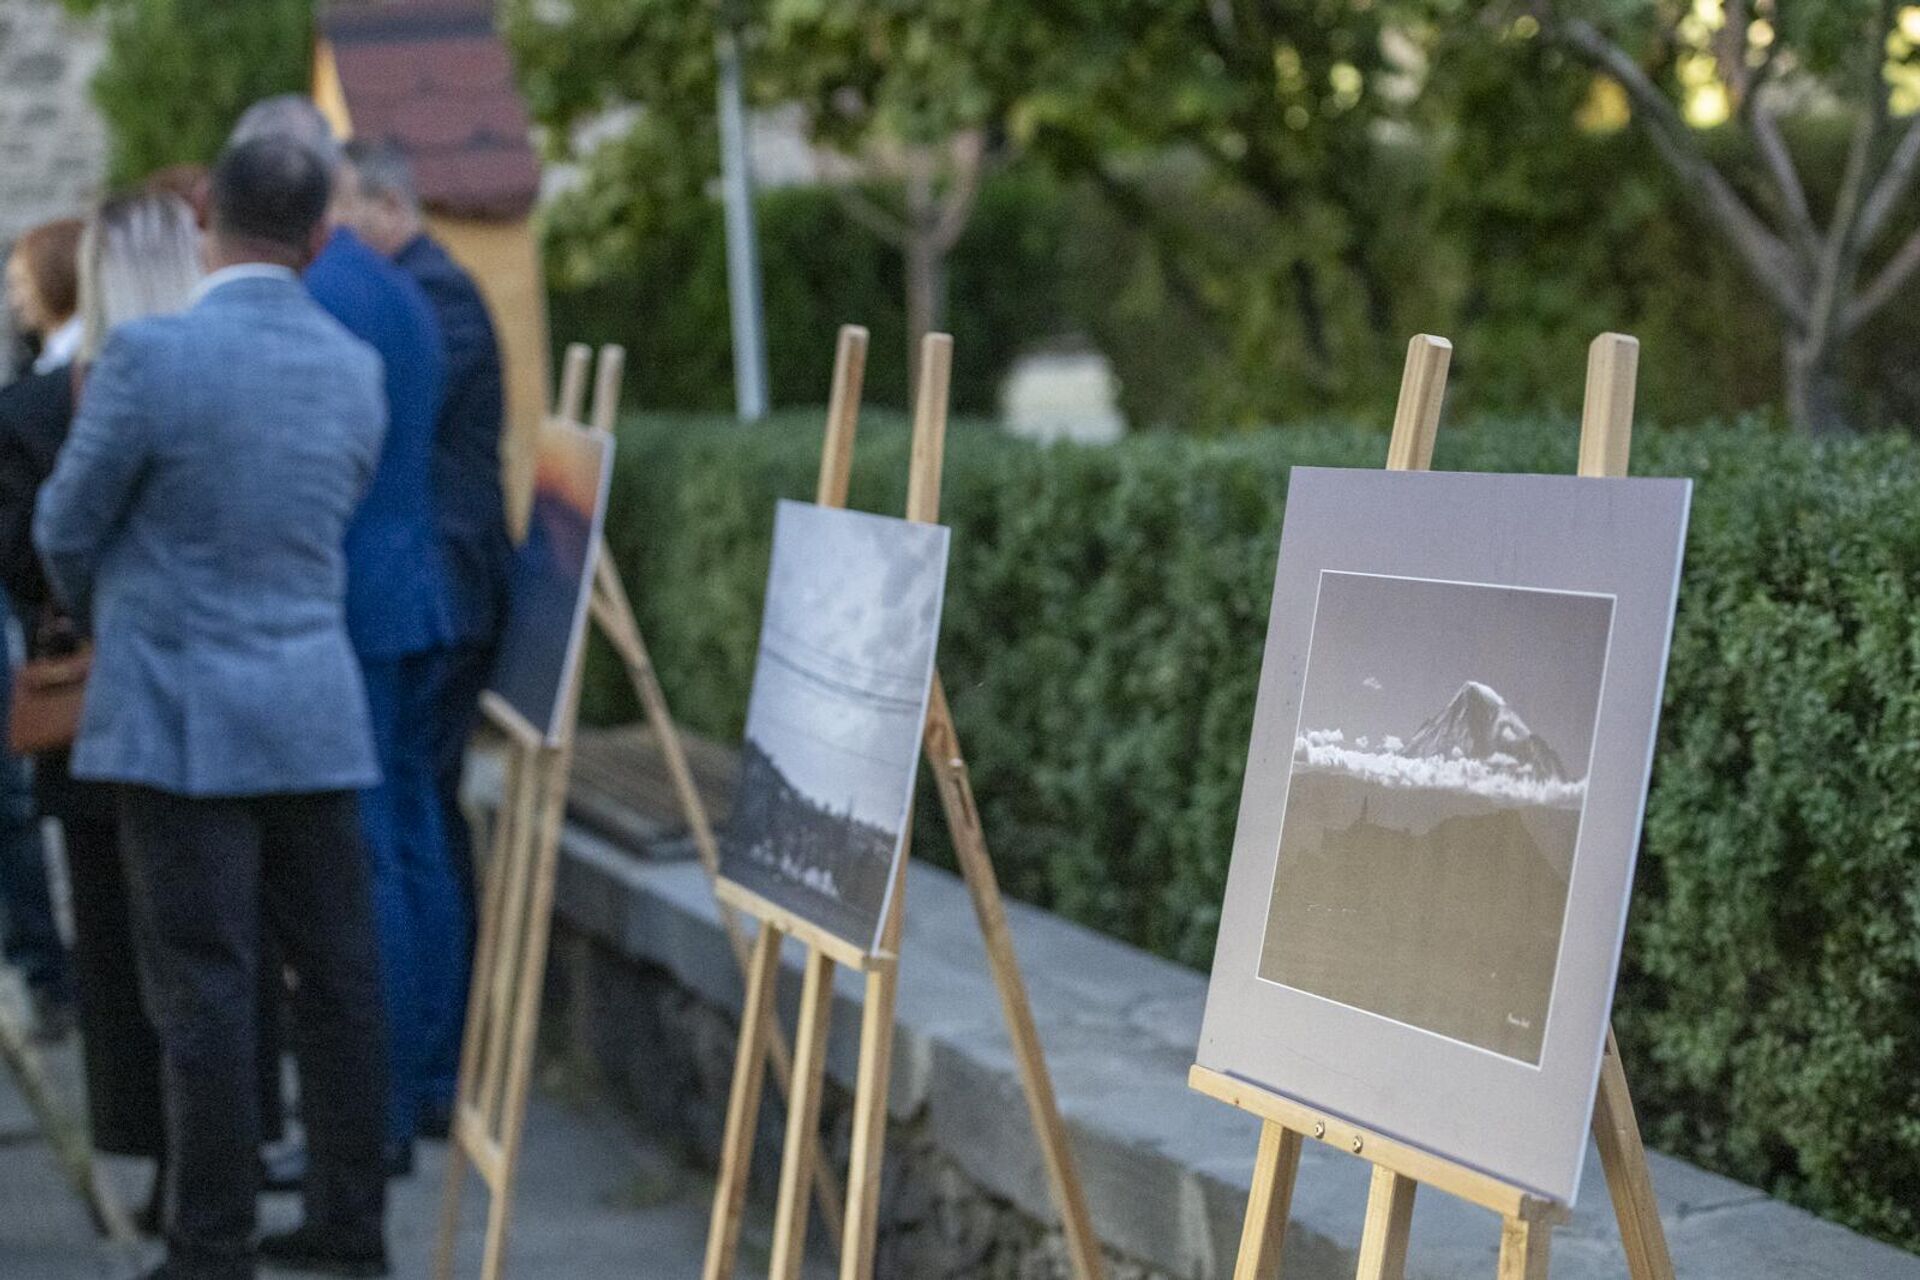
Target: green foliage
{"x": 652, "y": 275}
{"x": 179, "y": 72}
{"x": 1101, "y": 649}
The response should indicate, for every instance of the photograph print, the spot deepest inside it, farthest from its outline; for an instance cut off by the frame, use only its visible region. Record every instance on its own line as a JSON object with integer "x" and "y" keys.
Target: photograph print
{"x": 1439, "y": 774}
{"x": 835, "y": 719}
{"x": 552, "y": 582}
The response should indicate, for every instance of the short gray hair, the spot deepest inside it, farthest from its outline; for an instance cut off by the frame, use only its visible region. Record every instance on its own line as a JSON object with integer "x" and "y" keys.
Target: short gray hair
{"x": 384, "y": 171}
{"x": 139, "y": 256}
{"x": 288, "y": 115}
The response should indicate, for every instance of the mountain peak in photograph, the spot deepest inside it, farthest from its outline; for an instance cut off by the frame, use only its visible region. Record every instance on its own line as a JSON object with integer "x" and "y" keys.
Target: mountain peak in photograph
{"x": 1478, "y": 724}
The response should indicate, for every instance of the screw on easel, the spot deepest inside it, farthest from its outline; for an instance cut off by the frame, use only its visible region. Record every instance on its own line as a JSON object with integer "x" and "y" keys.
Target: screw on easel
{"x": 1319, "y": 1128}
{"x": 1358, "y": 1142}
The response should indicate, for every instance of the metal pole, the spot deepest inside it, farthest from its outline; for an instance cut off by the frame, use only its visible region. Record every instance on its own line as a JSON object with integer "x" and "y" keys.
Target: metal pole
{"x": 743, "y": 259}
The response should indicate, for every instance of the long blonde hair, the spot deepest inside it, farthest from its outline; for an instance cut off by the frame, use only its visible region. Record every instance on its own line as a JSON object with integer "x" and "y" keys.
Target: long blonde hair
{"x": 139, "y": 256}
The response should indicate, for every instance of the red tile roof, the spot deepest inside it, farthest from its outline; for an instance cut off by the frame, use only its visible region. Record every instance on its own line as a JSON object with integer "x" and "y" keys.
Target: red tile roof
{"x": 433, "y": 78}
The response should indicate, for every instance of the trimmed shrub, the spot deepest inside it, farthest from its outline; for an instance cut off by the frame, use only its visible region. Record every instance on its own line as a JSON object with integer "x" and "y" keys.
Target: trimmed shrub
{"x": 1101, "y": 650}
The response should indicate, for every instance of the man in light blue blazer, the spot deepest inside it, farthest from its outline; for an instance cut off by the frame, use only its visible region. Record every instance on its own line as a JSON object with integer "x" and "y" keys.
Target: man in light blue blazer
{"x": 197, "y": 517}
{"x": 399, "y": 618}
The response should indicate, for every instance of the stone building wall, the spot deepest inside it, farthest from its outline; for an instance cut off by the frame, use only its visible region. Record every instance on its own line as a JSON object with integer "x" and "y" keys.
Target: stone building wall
{"x": 53, "y": 144}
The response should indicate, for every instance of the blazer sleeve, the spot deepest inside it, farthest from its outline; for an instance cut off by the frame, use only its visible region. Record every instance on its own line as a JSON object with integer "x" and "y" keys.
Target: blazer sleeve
{"x": 32, "y": 423}
{"x": 86, "y": 500}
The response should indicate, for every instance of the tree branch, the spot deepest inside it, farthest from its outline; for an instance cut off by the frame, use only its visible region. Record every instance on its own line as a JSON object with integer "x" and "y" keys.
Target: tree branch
{"x": 870, "y": 215}
{"x": 1749, "y": 85}
{"x": 1895, "y": 181}
{"x": 1885, "y": 287}
{"x": 1786, "y": 178}
{"x": 1768, "y": 258}
{"x": 1840, "y": 256}
{"x": 968, "y": 155}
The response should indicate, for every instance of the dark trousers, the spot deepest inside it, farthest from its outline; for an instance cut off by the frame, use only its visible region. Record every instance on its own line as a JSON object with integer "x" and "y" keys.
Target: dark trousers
{"x": 33, "y": 942}
{"x": 117, "y": 1044}
{"x": 423, "y": 917}
{"x": 457, "y": 713}
{"x": 201, "y": 872}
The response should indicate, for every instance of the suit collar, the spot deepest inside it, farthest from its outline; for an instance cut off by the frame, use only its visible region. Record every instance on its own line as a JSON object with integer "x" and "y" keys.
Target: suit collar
{"x": 243, "y": 272}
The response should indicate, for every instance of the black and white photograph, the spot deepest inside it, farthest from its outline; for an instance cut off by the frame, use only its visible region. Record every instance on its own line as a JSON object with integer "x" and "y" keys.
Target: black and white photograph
{"x": 836, "y": 714}
{"x": 1442, "y": 802}
{"x": 1433, "y": 812}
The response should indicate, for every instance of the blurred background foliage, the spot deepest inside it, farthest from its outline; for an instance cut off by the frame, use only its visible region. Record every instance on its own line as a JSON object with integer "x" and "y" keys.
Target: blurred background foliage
{"x": 1247, "y": 208}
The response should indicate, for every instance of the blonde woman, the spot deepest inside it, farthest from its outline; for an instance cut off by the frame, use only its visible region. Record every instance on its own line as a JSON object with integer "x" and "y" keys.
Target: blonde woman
{"x": 139, "y": 256}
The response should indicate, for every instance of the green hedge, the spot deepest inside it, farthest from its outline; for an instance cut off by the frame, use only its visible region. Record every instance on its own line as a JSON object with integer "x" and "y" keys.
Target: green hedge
{"x": 1101, "y": 649}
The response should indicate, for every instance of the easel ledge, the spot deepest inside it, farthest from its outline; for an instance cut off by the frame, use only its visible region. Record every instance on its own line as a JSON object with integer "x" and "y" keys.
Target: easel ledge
{"x": 835, "y": 948}
{"x": 1382, "y": 1152}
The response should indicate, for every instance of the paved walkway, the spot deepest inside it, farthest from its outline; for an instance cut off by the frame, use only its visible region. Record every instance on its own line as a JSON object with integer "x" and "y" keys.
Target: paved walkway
{"x": 595, "y": 1199}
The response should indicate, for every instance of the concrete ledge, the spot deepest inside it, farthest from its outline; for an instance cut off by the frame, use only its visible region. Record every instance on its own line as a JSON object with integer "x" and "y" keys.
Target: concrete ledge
{"x": 1166, "y": 1170}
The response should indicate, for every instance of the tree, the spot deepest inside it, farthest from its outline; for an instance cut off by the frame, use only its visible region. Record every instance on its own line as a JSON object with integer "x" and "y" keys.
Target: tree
{"x": 178, "y": 73}
{"x": 889, "y": 93}
{"x": 1826, "y": 271}
{"x": 1279, "y": 100}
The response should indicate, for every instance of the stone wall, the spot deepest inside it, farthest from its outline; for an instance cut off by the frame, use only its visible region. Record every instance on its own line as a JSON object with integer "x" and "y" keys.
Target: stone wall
{"x": 667, "y": 1056}
{"x": 53, "y": 144}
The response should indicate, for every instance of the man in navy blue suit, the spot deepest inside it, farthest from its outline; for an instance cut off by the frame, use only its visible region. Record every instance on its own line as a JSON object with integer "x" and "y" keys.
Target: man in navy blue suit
{"x": 399, "y": 615}
{"x": 379, "y": 201}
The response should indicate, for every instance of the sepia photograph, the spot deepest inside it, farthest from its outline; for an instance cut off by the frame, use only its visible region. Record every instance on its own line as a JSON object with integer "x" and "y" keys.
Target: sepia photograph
{"x": 835, "y": 718}
{"x": 1439, "y": 772}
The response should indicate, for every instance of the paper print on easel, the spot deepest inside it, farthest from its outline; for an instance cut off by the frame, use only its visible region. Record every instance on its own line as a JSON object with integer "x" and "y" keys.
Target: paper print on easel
{"x": 1442, "y": 806}
{"x": 1439, "y": 773}
{"x": 552, "y": 583}
{"x": 835, "y": 719}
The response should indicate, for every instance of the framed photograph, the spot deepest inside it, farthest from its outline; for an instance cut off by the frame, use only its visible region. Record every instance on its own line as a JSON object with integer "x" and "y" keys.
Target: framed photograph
{"x": 552, "y": 584}
{"x": 838, "y": 707}
{"x": 1442, "y": 805}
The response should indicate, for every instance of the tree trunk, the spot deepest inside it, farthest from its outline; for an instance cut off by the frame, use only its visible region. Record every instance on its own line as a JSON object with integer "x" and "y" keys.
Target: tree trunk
{"x": 1813, "y": 388}
{"x": 926, "y": 272}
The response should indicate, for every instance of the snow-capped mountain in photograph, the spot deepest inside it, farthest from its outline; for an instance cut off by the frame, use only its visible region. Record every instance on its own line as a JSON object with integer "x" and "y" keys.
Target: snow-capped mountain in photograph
{"x": 1476, "y": 745}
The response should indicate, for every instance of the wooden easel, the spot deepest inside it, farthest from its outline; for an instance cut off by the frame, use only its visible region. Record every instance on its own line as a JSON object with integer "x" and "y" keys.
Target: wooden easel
{"x": 613, "y": 613}
{"x": 1527, "y": 1220}
{"x": 65, "y": 1134}
{"x": 533, "y": 802}
{"x": 801, "y": 1163}
{"x": 510, "y": 956}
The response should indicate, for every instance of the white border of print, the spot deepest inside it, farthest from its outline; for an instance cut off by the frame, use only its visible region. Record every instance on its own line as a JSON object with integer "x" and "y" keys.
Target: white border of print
{"x": 1525, "y": 1124}
{"x": 1306, "y": 674}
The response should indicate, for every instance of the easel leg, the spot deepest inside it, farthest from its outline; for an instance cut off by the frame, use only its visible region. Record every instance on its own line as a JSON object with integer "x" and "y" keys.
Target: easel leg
{"x": 983, "y": 887}
{"x": 803, "y": 1118}
{"x": 549, "y": 769}
{"x": 869, "y": 1140}
{"x": 1624, "y": 1157}
{"x": 454, "y": 1187}
{"x": 614, "y": 612}
{"x": 743, "y": 1106}
{"x": 1268, "y": 1204}
{"x": 66, "y": 1135}
{"x": 1523, "y": 1249}
{"x": 1383, "y": 1241}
